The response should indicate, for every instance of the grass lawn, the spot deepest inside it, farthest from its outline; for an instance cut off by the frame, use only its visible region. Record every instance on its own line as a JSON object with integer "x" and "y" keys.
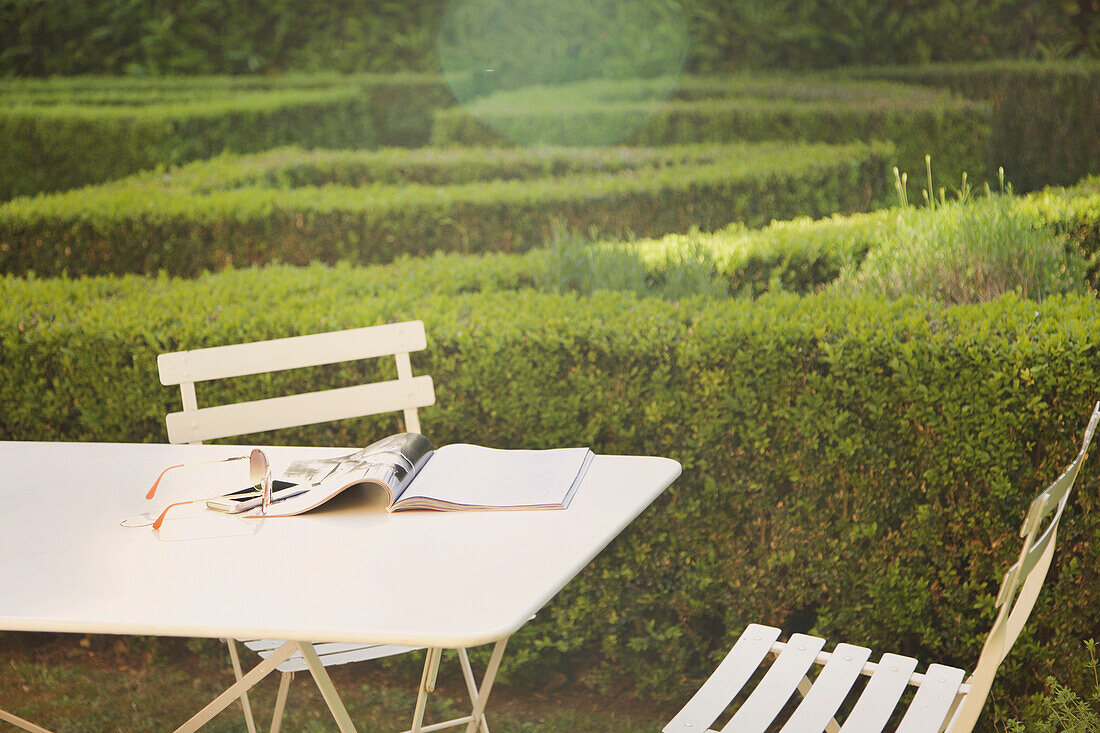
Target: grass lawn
{"x": 72, "y": 683}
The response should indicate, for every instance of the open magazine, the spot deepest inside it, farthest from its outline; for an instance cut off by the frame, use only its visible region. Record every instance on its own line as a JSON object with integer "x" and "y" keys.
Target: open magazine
{"x": 454, "y": 477}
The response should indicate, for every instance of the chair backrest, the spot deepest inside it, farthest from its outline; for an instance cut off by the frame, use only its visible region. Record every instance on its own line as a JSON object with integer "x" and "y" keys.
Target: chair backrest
{"x": 406, "y": 393}
{"x": 1022, "y": 583}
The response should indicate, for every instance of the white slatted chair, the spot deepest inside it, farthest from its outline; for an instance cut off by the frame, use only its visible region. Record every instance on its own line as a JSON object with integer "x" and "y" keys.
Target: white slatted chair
{"x": 405, "y": 394}
{"x": 946, "y": 699}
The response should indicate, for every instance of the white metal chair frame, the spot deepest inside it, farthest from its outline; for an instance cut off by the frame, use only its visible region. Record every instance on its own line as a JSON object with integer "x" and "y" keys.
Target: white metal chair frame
{"x": 405, "y": 394}
{"x": 945, "y": 698}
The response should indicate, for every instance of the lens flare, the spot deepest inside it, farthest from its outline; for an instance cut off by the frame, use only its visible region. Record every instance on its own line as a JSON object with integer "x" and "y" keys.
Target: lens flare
{"x": 562, "y": 72}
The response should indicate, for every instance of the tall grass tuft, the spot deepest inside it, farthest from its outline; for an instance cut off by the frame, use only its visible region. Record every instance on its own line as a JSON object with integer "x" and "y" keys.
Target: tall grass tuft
{"x": 966, "y": 251}
{"x": 1063, "y": 709}
{"x": 579, "y": 263}
{"x": 575, "y": 262}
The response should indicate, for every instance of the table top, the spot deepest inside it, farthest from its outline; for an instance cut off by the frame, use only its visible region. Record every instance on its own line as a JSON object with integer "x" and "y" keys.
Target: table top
{"x": 348, "y": 571}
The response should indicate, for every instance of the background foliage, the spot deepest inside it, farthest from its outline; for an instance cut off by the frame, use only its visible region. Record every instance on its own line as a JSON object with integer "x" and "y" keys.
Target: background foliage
{"x": 50, "y": 37}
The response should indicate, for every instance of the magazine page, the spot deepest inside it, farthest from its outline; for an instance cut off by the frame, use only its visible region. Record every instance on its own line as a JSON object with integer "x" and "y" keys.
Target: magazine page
{"x": 463, "y": 476}
{"x": 390, "y": 463}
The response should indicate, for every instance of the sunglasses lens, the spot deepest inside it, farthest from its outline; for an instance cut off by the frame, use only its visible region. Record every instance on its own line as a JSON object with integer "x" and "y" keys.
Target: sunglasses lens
{"x": 257, "y": 467}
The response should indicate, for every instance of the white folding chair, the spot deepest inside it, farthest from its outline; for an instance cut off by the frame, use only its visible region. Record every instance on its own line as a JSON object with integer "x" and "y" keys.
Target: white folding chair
{"x": 405, "y": 394}
{"x": 945, "y": 698}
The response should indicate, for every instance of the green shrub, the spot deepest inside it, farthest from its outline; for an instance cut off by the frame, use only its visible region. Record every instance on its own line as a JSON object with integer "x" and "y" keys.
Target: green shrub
{"x": 298, "y": 207}
{"x": 577, "y": 263}
{"x": 1062, "y": 709}
{"x": 115, "y": 37}
{"x": 917, "y": 121}
{"x": 1045, "y": 115}
{"x": 1075, "y": 212}
{"x": 805, "y": 256}
{"x": 967, "y": 252}
{"x": 849, "y": 463}
{"x": 64, "y": 133}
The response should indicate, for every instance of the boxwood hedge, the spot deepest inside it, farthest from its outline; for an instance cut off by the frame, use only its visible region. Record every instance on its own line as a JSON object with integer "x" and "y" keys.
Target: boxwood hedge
{"x": 853, "y": 467}
{"x": 705, "y": 109}
{"x": 61, "y": 133}
{"x": 803, "y": 255}
{"x": 298, "y": 207}
{"x": 1045, "y": 114}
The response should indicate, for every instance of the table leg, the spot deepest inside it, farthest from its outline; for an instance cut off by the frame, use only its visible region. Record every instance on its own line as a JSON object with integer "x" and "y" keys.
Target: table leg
{"x": 224, "y": 700}
{"x": 486, "y": 686}
{"x": 328, "y": 690}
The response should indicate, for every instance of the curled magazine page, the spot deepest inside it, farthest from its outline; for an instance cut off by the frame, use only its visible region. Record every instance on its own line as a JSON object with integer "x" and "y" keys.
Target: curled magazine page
{"x": 390, "y": 463}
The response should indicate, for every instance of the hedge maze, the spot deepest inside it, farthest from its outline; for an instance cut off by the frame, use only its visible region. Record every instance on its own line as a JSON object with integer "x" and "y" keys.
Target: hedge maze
{"x": 601, "y": 264}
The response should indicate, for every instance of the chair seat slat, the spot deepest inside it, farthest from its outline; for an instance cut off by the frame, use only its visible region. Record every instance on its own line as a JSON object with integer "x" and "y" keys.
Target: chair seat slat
{"x": 941, "y": 696}
{"x": 933, "y": 700}
{"x": 330, "y": 653}
{"x": 775, "y": 689}
{"x": 881, "y": 695}
{"x": 297, "y": 664}
{"x": 829, "y": 690}
{"x": 731, "y": 675}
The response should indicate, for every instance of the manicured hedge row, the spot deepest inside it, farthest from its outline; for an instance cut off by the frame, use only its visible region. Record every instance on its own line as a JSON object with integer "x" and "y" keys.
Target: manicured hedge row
{"x": 299, "y": 207}
{"x": 59, "y": 134}
{"x": 804, "y": 255}
{"x": 848, "y": 463}
{"x": 1045, "y": 115}
{"x": 954, "y": 131}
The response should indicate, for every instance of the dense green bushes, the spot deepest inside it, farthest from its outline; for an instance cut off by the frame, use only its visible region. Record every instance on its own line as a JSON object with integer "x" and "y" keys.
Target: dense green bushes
{"x": 1045, "y": 116}
{"x": 298, "y": 207}
{"x": 848, "y": 463}
{"x": 64, "y": 133}
{"x": 236, "y": 36}
{"x": 804, "y": 256}
{"x": 919, "y": 122}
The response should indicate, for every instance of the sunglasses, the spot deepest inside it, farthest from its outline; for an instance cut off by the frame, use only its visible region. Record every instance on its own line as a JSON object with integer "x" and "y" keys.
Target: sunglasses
{"x": 259, "y": 472}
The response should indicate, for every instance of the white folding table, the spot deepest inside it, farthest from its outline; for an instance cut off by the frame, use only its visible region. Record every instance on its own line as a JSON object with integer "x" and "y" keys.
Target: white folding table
{"x": 347, "y": 572}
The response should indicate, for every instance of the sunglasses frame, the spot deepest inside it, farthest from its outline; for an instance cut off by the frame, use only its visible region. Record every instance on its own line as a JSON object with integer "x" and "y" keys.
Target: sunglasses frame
{"x": 259, "y": 470}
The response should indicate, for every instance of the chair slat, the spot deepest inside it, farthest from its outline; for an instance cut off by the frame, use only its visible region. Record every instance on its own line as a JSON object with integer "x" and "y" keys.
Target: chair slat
{"x": 881, "y": 695}
{"x": 731, "y": 675}
{"x": 779, "y": 683}
{"x": 933, "y": 700}
{"x": 330, "y": 653}
{"x": 238, "y": 360}
{"x": 276, "y": 413}
{"x": 829, "y": 690}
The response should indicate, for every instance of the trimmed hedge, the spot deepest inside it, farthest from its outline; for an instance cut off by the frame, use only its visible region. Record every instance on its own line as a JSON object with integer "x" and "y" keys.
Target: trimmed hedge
{"x": 63, "y": 133}
{"x": 1045, "y": 115}
{"x": 919, "y": 122}
{"x": 803, "y": 255}
{"x": 297, "y": 207}
{"x": 849, "y": 463}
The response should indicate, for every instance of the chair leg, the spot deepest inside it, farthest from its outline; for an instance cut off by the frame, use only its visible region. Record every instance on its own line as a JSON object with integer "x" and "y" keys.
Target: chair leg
{"x": 233, "y": 692}
{"x": 280, "y": 701}
{"x": 235, "y": 658}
